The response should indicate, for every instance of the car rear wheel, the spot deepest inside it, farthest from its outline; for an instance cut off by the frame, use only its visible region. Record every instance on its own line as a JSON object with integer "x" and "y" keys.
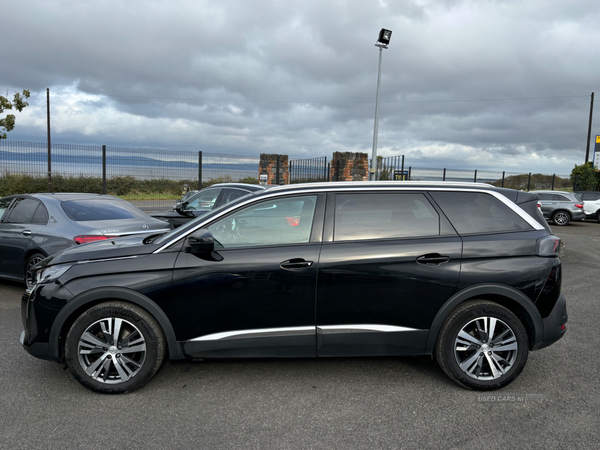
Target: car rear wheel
{"x": 482, "y": 346}
{"x": 114, "y": 347}
{"x": 598, "y": 216}
{"x": 561, "y": 218}
{"x": 31, "y": 261}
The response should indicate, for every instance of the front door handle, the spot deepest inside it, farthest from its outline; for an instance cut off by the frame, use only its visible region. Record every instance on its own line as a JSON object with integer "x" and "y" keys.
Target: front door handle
{"x": 26, "y": 232}
{"x": 295, "y": 264}
{"x": 432, "y": 259}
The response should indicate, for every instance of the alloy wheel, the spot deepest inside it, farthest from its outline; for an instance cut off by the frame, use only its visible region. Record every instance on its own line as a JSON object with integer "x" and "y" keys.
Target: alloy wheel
{"x": 112, "y": 350}
{"x": 561, "y": 218}
{"x": 486, "y": 348}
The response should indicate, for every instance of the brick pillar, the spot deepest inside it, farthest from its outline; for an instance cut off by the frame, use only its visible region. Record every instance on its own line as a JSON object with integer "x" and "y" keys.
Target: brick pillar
{"x": 349, "y": 166}
{"x": 268, "y": 166}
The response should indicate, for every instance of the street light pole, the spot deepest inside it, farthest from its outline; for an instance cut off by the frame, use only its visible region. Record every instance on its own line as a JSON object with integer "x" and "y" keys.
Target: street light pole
{"x": 382, "y": 42}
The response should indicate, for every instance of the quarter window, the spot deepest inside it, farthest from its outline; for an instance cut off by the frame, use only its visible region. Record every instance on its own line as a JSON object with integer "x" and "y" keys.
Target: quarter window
{"x": 272, "y": 222}
{"x": 381, "y": 216}
{"x": 474, "y": 212}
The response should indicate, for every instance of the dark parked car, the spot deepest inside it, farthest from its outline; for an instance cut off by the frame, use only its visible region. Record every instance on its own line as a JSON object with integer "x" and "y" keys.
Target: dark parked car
{"x": 33, "y": 226}
{"x": 561, "y": 207}
{"x": 466, "y": 272}
{"x": 204, "y": 201}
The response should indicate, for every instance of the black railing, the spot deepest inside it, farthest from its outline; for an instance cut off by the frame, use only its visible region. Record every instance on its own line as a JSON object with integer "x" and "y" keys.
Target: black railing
{"x": 308, "y": 170}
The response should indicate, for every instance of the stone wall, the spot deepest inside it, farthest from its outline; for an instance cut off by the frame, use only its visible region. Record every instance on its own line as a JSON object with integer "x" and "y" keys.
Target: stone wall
{"x": 349, "y": 166}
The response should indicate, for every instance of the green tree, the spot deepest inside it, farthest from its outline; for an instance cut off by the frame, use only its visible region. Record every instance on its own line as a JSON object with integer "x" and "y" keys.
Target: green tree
{"x": 585, "y": 177}
{"x": 19, "y": 102}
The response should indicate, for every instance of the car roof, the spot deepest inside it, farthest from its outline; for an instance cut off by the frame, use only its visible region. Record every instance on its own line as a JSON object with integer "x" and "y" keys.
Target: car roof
{"x": 65, "y": 196}
{"x": 384, "y": 184}
{"x": 252, "y": 187}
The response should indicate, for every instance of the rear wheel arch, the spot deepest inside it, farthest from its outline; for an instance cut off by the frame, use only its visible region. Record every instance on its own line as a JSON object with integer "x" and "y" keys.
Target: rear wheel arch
{"x": 79, "y": 304}
{"x": 510, "y": 298}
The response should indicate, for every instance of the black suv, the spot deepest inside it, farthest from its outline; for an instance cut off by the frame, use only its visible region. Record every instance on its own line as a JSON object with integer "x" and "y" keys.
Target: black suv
{"x": 466, "y": 272}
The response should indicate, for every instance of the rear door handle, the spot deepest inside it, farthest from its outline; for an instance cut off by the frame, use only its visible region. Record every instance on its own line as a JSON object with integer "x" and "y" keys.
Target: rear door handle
{"x": 432, "y": 259}
{"x": 26, "y": 232}
{"x": 295, "y": 264}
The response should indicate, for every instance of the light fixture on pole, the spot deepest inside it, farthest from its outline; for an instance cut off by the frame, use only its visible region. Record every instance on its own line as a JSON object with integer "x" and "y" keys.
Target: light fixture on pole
{"x": 382, "y": 42}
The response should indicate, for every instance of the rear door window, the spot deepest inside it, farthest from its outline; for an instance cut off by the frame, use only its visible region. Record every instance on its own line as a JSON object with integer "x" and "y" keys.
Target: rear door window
{"x": 384, "y": 216}
{"x": 561, "y": 198}
{"x": 23, "y": 211}
{"x": 4, "y": 204}
{"x": 477, "y": 212}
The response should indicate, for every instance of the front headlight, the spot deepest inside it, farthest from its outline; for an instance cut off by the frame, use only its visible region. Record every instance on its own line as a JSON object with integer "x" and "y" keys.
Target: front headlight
{"x": 50, "y": 274}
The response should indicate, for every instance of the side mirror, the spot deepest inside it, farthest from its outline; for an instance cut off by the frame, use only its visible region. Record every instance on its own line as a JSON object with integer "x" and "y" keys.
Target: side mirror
{"x": 201, "y": 241}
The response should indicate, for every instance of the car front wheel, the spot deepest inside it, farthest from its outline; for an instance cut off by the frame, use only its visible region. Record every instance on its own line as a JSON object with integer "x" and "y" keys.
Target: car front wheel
{"x": 561, "y": 218}
{"x": 114, "y": 347}
{"x": 31, "y": 261}
{"x": 482, "y": 346}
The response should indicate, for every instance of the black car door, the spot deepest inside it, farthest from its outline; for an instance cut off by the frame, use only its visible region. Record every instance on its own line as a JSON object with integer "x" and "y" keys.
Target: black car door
{"x": 389, "y": 261}
{"x": 255, "y": 295}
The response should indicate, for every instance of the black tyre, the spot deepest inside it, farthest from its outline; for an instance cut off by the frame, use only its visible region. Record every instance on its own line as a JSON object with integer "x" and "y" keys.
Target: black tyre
{"x": 482, "y": 346}
{"x": 561, "y": 218}
{"x": 114, "y": 347}
{"x": 31, "y": 261}
{"x": 598, "y": 216}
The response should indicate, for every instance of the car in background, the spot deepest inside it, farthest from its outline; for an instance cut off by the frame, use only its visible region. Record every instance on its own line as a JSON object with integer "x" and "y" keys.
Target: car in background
{"x": 465, "y": 272}
{"x": 560, "y": 207}
{"x": 591, "y": 204}
{"x": 34, "y": 226}
{"x": 184, "y": 197}
{"x": 206, "y": 200}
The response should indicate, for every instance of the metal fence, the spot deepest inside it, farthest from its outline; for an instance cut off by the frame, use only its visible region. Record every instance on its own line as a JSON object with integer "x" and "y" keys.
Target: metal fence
{"x": 151, "y": 178}
{"x": 308, "y": 170}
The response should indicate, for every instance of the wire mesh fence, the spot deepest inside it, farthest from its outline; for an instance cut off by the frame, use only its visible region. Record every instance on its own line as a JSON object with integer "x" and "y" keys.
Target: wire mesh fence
{"x": 154, "y": 179}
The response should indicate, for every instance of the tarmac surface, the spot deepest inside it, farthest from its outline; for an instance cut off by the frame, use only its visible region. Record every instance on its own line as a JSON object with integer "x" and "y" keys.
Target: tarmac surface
{"x": 340, "y": 403}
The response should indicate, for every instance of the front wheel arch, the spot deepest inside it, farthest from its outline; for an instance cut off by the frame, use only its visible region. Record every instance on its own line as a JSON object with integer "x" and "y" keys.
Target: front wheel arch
{"x": 76, "y": 306}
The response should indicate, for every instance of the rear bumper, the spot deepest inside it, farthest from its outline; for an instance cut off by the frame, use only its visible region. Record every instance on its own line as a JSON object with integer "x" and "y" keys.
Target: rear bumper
{"x": 554, "y": 325}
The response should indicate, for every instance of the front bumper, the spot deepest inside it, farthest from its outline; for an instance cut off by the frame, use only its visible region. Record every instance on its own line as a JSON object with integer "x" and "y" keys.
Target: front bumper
{"x": 40, "y": 350}
{"x": 554, "y": 325}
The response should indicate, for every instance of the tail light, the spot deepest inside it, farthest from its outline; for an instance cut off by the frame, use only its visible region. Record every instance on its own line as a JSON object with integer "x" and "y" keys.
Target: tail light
{"x": 87, "y": 238}
{"x": 579, "y": 205}
{"x": 548, "y": 246}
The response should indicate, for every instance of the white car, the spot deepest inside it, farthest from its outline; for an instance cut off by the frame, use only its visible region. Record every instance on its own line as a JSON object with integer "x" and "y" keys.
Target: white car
{"x": 591, "y": 204}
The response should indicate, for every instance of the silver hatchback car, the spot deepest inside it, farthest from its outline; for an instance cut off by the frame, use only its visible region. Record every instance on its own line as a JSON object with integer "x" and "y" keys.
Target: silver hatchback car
{"x": 34, "y": 226}
{"x": 561, "y": 207}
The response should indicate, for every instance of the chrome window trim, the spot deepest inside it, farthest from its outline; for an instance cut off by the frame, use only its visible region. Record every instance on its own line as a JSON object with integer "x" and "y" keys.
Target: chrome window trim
{"x": 349, "y": 187}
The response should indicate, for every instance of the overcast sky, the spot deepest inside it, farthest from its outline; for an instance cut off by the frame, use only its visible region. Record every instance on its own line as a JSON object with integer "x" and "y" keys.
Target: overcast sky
{"x": 474, "y": 84}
